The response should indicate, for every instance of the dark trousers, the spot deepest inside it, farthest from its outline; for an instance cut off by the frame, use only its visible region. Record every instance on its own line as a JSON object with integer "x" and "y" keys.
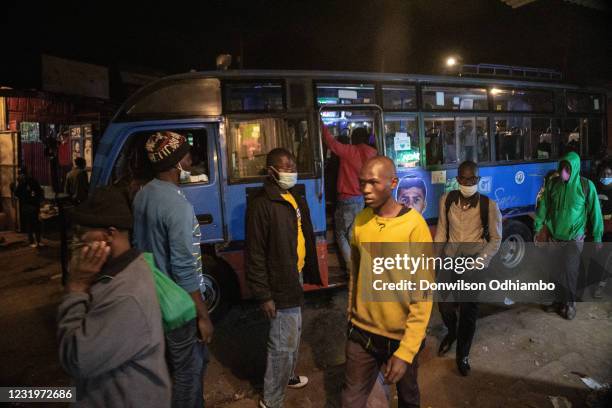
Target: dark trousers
{"x": 565, "y": 274}
{"x": 31, "y": 223}
{"x": 362, "y": 368}
{"x": 462, "y": 327}
{"x": 187, "y": 359}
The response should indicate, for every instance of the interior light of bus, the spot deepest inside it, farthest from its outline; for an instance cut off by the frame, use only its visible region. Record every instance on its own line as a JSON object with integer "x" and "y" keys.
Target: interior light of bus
{"x": 495, "y": 91}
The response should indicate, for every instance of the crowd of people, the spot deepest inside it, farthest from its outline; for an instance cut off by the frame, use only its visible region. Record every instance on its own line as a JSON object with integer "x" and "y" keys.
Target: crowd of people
{"x": 122, "y": 347}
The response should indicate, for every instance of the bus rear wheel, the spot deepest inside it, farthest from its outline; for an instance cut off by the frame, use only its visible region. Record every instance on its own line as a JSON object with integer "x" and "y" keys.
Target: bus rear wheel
{"x": 516, "y": 235}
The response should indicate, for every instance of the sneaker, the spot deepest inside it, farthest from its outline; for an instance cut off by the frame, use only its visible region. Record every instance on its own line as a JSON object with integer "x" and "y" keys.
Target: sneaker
{"x": 262, "y": 404}
{"x": 41, "y": 244}
{"x": 569, "y": 311}
{"x": 297, "y": 381}
{"x": 33, "y": 245}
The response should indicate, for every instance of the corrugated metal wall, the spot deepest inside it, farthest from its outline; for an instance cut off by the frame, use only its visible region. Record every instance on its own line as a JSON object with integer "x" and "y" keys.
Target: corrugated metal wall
{"x": 42, "y": 110}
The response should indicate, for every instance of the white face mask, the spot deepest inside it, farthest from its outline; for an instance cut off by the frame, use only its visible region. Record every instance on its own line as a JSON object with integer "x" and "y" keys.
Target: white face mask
{"x": 285, "y": 180}
{"x": 185, "y": 175}
{"x": 468, "y": 191}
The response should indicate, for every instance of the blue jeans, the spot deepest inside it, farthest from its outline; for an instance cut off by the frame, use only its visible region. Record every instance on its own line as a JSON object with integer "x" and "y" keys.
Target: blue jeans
{"x": 283, "y": 344}
{"x": 188, "y": 358}
{"x": 346, "y": 211}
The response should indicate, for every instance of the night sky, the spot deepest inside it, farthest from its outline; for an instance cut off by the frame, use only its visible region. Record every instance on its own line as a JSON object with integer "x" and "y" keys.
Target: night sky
{"x": 391, "y": 36}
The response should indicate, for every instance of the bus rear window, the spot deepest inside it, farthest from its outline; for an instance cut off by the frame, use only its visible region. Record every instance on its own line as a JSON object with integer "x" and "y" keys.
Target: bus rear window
{"x": 345, "y": 94}
{"x": 253, "y": 96}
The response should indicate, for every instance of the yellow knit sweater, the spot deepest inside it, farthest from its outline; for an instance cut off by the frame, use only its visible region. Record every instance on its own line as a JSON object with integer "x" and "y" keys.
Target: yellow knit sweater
{"x": 400, "y": 320}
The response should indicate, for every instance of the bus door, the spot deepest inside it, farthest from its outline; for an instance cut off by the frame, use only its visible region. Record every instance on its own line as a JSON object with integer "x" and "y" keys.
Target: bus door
{"x": 342, "y": 121}
{"x": 127, "y": 161}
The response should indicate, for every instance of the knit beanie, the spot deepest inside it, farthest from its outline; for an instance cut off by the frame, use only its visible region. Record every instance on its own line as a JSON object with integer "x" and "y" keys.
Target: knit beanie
{"x": 106, "y": 207}
{"x": 165, "y": 149}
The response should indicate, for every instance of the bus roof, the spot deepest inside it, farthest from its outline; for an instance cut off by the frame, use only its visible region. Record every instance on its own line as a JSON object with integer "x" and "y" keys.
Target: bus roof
{"x": 340, "y": 76}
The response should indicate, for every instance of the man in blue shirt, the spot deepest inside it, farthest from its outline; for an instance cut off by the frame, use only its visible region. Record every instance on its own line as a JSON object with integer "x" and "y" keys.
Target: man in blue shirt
{"x": 165, "y": 224}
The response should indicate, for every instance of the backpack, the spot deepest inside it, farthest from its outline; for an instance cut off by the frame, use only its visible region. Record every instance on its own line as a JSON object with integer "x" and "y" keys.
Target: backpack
{"x": 453, "y": 196}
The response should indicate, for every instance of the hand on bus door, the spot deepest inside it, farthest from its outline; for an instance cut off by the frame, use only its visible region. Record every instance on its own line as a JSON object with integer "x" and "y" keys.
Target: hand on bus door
{"x": 269, "y": 309}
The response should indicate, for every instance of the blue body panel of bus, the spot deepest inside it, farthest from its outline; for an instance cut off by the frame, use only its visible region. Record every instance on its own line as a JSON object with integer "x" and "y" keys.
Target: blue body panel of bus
{"x": 513, "y": 186}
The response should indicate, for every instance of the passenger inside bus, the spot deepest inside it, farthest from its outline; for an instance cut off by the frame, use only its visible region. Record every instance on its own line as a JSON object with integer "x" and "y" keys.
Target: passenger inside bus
{"x": 450, "y": 148}
{"x": 544, "y": 147}
{"x": 433, "y": 148}
{"x": 483, "y": 143}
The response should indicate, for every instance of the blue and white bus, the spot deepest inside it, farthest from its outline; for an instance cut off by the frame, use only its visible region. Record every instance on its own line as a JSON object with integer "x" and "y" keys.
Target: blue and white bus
{"x": 515, "y": 131}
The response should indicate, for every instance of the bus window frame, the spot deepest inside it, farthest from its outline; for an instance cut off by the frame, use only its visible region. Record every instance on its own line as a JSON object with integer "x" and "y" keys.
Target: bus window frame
{"x": 468, "y": 114}
{"x": 316, "y": 83}
{"x": 224, "y": 101}
{"x": 532, "y": 112}
{"x": 228, "y": 119}
{"x": 381, "y": 98}
{"x": 423, "y": 85}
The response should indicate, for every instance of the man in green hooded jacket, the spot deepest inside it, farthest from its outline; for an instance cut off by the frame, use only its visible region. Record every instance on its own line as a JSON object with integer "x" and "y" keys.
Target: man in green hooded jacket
{"x": 568, "y": 209}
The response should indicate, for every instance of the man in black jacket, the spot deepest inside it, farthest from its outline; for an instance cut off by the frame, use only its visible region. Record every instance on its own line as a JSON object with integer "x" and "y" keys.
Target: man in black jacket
{"x": 281, "y": 256}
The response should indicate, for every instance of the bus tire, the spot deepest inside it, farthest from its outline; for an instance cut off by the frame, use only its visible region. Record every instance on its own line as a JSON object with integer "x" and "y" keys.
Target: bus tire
{"x": 516, "y": 236}
{"x": 222, "y": 290}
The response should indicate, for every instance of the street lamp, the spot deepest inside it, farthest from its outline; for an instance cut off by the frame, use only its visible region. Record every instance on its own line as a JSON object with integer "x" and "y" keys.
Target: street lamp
{"x": 451, "y": 62}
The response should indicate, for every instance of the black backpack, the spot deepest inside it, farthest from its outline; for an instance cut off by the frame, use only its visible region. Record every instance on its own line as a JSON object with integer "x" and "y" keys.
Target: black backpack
{"x": 453, "y": 196}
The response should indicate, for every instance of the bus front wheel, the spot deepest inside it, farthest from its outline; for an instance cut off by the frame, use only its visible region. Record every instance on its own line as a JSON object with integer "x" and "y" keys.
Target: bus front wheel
{"x": 516, "y": 235}
{"x": 219, "y": 287}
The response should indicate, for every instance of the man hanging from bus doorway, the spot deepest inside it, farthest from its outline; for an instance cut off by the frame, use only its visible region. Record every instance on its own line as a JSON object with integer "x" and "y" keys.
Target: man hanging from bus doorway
{"x": 466, "y": 217}
{"x": 281, "y": 256}
{"x": 567, "y": 210}
{"x": 350, "y": 201}
{"x": 383, "y": 336}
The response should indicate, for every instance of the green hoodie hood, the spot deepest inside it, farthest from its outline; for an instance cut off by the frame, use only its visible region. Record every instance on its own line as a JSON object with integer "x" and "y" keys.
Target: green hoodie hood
{"x": 564, "y": 208}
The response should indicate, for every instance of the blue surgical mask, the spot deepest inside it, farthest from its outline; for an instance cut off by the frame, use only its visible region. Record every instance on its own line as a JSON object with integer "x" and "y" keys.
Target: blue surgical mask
{"x": 606, "y": 181}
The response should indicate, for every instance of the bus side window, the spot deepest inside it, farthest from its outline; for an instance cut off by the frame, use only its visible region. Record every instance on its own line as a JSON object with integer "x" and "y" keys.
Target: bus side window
{"x": 250, "y": 140}
{"x": 402, "y": 142}
{"x": 440, "y": 141}
{"x": 510, "y": 136}
{"x": 133, "y": 167}
{"x": 544, "y": 133}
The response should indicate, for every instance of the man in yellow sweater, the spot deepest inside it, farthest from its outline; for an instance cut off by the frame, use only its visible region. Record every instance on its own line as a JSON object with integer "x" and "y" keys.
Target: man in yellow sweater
{"x": 383, "y": 336}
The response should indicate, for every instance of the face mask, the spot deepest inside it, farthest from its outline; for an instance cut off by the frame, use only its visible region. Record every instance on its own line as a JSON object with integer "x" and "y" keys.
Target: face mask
{"x": 285, "y": 180}
{"x": 565, "y": 175}
{"x": 468, "y": 191}
{"x": 185, "y": 175}
{"x": 606, "y": 181}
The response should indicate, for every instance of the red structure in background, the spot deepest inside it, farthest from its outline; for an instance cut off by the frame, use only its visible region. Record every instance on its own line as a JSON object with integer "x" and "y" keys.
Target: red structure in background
{"x": 58, "y": 111}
